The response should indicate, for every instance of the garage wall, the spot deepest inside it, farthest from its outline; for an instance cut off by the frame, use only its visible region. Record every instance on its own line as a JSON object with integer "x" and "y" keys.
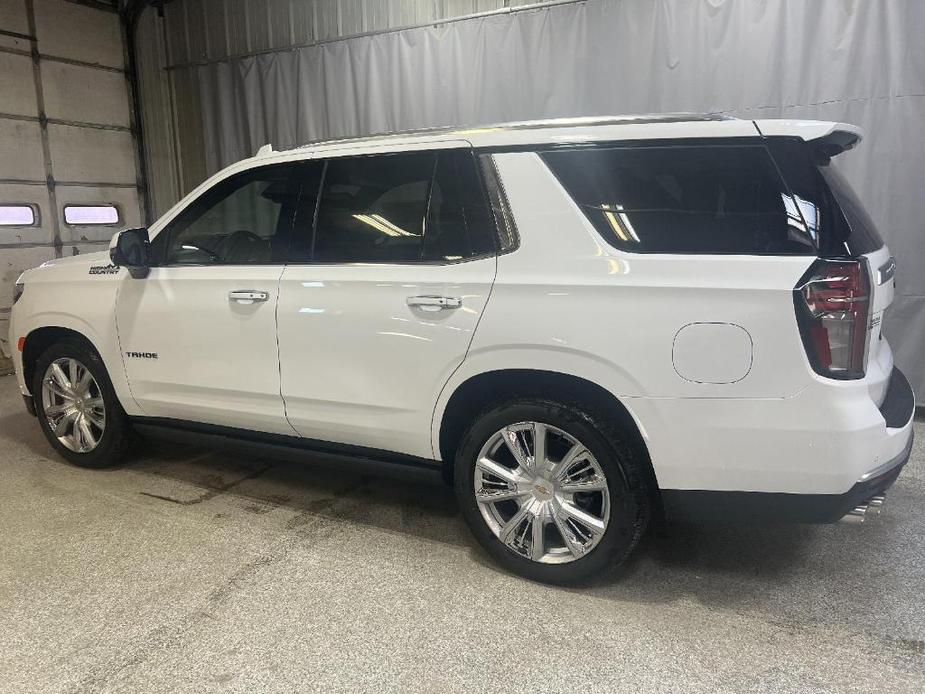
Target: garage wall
{"x": 66, "y": 134}
{"x": 244, "y": 72}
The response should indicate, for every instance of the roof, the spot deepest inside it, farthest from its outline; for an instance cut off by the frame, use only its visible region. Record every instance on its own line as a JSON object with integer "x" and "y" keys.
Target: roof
{"x": 560, "y": 131}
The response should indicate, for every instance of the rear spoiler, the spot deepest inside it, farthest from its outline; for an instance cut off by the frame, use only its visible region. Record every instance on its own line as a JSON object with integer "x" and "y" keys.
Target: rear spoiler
{"x": 827, "y": 138}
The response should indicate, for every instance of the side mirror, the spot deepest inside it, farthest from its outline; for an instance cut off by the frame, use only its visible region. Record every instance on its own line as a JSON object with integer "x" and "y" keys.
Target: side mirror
{"x": 130, "y": 248}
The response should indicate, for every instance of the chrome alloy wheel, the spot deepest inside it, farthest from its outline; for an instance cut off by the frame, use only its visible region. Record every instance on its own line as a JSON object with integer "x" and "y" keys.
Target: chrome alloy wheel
{"x": 542, "y": 493}
{"x": 73, "y": 405}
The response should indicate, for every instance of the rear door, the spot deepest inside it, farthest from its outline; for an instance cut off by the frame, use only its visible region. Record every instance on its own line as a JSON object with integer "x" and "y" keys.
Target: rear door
{"x": 379, "y": 304}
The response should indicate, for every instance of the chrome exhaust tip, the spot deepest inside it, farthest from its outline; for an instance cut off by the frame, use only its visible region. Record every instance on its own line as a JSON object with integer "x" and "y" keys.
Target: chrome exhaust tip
{"x": 856, "y": 515}
{"x": 875, "y": 505}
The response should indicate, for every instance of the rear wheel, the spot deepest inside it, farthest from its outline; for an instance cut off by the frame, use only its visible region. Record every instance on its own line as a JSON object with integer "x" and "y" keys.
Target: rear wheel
{"x": 554, "y": 492}
{"x": 77, "y": 407}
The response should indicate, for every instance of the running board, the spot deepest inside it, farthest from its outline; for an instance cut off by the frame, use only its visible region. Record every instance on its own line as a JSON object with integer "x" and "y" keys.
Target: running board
{"x": 357, "y": 459}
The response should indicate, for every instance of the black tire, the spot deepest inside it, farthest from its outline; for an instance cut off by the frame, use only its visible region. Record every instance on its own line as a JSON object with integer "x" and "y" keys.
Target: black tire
{"x": 623, "y": 465}
{"x": 117, "y": 433}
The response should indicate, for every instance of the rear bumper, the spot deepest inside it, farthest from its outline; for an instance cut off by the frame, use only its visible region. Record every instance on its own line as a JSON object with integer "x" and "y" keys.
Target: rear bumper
{"x": 897, "y": 412}
{"x": 771, "y": 507}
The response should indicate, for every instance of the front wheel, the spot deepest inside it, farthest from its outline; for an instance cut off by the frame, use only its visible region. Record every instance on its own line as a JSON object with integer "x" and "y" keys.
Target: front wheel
{"x": 553, "y": 491}
{"x": 77, "y": 407}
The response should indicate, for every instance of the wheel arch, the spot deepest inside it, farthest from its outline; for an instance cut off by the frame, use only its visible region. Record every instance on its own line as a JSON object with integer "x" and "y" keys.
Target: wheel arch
{"x": 40, "y": 339}
{"x": 483, "y": 389}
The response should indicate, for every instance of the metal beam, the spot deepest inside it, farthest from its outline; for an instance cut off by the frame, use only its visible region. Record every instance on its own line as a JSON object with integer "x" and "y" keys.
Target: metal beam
{"x": 60, "y": 59}
{"x": 70, "y": 123}
{"x": 43, "y": 124}
{"x": 102, "y": 5}
{"x": 438, "y": 22}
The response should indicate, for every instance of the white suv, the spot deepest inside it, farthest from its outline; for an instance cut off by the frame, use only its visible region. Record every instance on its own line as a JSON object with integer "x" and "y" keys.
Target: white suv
{"x": 586, "y": 324}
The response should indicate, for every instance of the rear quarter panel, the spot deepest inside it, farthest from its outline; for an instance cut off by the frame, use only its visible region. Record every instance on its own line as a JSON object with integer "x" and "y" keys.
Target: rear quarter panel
{"x": 568, "y": 302}
{"x": 566, "y": 291}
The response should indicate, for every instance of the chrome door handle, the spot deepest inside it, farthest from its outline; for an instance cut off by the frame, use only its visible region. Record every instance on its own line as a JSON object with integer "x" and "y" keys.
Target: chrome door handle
{"x": 248, "y": 296}
{"x": 434, "y": 303}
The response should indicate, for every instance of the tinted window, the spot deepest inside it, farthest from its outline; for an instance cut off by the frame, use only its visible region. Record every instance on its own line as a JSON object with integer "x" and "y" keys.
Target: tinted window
{"x": 245, "y": 219}
{"x": 684, "y": 199}
{"x": 459, "y": 224}
{"x": 372, "y": 208}
{"x": 828, "y": 204}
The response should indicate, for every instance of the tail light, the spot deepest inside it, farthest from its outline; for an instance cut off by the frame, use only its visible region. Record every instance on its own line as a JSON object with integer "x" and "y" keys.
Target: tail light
{"x": 832, "y": 302}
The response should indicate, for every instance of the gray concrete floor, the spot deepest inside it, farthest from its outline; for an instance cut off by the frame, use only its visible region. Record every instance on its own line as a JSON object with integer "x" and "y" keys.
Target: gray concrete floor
{"x": 195, "y": 571}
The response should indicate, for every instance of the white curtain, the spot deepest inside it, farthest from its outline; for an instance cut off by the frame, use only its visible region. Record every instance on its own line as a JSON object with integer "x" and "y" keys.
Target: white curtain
{"x": 858, "y": 61}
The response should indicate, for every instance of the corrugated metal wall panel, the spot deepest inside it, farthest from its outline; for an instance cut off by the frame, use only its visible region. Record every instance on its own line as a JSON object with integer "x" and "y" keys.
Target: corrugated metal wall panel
{"x": 236, "y": 27}
{"x": 460, "y": 8}
{"x": 302, "y": 15}
{"x": 327, "y": 20}
{"x": 190, "y": 144}
{"x": 279, "y": 20}
{"x": 257, "y": 16}
{"x": 157, "y": 116}
{"x": 196, "y": 37}
{"x": 216, "y": 27}
{"x": 176, "y": 33}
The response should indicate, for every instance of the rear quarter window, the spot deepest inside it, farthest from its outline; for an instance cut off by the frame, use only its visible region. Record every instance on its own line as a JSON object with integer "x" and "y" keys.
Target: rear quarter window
{"x": 843, "y": 225}
{"x": 708, "y": 199}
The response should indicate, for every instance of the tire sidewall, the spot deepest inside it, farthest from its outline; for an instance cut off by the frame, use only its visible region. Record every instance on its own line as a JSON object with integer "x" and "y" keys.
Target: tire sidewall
{"x": 629, "y": 510}
{"x": 112, "y": 443}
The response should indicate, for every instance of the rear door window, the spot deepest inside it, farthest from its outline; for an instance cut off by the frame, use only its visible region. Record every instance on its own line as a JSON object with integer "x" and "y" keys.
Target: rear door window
{"x": 459, "y": 223}
{"x": 703, "y": 199}
{"x": 419, "y": 207}
{"x": 372, "y": 209}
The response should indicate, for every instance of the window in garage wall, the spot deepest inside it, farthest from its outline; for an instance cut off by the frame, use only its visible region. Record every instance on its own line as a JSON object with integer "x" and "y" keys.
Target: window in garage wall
{"x": 91, "y": 215}
{"x": 17, "y": 215}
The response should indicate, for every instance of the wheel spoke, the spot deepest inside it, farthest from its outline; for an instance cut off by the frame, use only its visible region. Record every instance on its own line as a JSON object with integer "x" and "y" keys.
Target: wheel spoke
{"x": 574, "y": 454}
{"x": 588, "y": 484}
{"x": 82, "y": 386}
{"x": 497, "y": 469}
{"x": 508, "y": 534}
{"x": 537, "y": 546}
{"x": 96, "y": 419}
{"x": 539, "y": 445}
{"x": 55, "y": 410}
{"x": 515, "y": 445}
{"x": 61, "y": 426}
{"x": 572, "y": 543}
{"x": 61, "y": 379}
{"x": 77, "y": 435}
{"x": 568, "y": 510}
{"x": 486, "y": 495}
{"x": 86, "y": 433}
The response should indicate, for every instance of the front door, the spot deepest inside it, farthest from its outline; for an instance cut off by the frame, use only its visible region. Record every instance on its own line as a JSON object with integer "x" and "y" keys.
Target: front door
{"x": 198, "y": 335}
{"x": 379, "y": 307}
